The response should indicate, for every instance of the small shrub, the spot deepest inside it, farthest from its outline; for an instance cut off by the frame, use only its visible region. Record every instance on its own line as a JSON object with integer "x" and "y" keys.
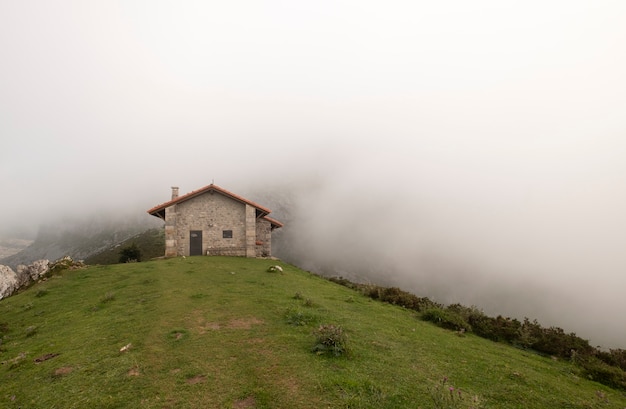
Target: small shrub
{"x": 309, "y": 303}
{"x": 299, "y": 318}
{"x": 41, "y": 292}
{"x": 130, "y": 254}
{"x": 330, "y": 339}
{"x": 446, "y": 396}
{"x": 108, "y": 297}
{"x": 446, "y": 319}
{"x": 30, "y": 331}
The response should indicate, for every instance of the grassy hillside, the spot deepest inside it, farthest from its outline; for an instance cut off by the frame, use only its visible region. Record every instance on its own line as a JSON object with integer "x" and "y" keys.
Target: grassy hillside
{"x": 151, "y": 243}
{"x": 217, "y": 332}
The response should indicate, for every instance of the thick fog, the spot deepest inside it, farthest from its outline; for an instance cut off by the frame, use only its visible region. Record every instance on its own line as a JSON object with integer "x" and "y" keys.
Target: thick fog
{"x": 466, "y": 151}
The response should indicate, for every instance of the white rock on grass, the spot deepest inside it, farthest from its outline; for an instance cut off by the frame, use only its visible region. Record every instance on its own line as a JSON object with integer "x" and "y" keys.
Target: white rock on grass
{"x": 8, "y": 281}
{"x": 11, "y": 281}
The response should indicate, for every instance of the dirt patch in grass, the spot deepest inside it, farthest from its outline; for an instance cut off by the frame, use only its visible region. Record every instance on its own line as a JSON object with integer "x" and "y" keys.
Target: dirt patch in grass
{"x": 134, "y": 371}
{"x": 247, "y": 403}
{"x": 64, "y": 370}
{"x": 196, "y": 379}
{"x": 44, "y": 358}
{"x": 201, "y": 326}
{"x": 244, "y": 323}
{"x": 291, "y": 385}
{"x": 204, "y": 327}
{"x": 238, "y": 323}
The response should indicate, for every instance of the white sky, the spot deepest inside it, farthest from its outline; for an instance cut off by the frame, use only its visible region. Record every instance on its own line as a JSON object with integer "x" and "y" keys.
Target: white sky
{"x": 496, "y": 130}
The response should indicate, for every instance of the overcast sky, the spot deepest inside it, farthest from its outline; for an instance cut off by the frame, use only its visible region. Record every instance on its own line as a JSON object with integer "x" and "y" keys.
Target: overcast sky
{"x": 482, "y": 142}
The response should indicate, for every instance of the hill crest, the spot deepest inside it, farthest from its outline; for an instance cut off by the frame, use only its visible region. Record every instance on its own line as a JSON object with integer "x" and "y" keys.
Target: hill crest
{"x": 219, "y": 332}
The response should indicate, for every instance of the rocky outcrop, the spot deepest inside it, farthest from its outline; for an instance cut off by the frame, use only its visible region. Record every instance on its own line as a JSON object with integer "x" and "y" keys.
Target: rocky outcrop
{"x": 11, "y": 281}
{"x": 8, "y": 281}
{"x": 32, "y": 272}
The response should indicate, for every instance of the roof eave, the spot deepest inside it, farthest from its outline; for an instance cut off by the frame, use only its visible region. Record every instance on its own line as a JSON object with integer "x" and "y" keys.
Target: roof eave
{"x": 212, "y": 187}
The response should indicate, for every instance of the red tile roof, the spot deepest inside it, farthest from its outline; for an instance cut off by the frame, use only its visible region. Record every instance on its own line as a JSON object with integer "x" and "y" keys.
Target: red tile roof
{"x": 275, "y": 223}
{"x": 212, "y": 187}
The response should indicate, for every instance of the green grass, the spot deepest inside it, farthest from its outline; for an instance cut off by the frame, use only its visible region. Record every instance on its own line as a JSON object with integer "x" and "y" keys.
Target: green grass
{"x": 218, "y": 332}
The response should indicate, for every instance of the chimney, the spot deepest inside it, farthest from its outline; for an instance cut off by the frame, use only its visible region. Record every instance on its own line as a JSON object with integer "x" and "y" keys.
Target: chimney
{"x": 174, "y": 192}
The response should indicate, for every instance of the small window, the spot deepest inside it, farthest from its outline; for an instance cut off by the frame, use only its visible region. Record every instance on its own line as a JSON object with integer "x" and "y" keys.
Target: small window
{"x": 227, "y": 234}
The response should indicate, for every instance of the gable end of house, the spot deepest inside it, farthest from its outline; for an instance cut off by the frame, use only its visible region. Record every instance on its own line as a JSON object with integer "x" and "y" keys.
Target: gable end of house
{"x": 215, "y": 221}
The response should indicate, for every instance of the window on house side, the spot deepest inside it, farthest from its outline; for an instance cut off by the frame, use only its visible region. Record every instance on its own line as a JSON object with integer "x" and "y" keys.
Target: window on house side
{"x": 227, "y": 234}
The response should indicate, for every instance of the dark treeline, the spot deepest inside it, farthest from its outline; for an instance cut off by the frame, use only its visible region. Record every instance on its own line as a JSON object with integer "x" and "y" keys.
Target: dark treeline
{"x": 606, "y": 367}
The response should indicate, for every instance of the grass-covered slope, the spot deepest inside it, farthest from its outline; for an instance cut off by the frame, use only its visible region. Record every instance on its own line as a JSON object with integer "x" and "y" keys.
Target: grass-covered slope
{"x": 151, "y": 244}
{"x": 213, "y": 332}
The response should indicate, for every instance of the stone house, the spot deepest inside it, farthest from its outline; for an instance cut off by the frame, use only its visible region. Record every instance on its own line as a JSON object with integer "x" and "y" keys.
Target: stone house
{"x": 214, "y": 221}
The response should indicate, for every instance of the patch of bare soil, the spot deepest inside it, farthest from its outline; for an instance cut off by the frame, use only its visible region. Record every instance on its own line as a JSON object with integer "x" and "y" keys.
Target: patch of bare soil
{"x": 64, "y": 370}
{"x": 204, "y": 327}
{"x": 196, "y": 379}
{"x": 134, "y": 371}
{"x": 247, "y": 403}
{"x": 44, "y": 358}
{"x": 200, "y": 324}
{"x": 244, "y": 323}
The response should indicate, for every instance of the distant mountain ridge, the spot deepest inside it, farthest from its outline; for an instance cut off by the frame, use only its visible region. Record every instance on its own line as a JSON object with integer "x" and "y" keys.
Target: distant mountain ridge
{"x": 80, "y": 238}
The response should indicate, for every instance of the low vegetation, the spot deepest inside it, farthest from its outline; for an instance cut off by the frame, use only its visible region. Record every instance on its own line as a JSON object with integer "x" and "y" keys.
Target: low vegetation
{"x": 607, "y": 367}
{"x": 130, "y": 254}
{"x": 219, "y": 332}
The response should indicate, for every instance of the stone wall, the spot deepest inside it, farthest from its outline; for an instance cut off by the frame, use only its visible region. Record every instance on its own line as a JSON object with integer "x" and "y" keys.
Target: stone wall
{"x": 212, "y": 213}
{"x": 170, "y": 232}
{"x": 263, "y": 238}
{"x": 250, "y": 231}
